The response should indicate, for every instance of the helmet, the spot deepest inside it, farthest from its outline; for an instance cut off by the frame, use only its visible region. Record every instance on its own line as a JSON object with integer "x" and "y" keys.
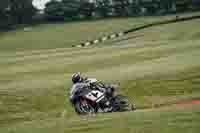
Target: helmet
{"x": 76, "y": 77}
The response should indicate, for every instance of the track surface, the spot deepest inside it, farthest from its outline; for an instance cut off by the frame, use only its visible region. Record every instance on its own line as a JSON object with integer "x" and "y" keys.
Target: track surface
{"x": 154, "y": 69}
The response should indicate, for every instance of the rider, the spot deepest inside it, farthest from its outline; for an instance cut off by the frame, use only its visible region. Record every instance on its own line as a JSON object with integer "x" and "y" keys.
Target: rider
{"x": 80, "y": 82}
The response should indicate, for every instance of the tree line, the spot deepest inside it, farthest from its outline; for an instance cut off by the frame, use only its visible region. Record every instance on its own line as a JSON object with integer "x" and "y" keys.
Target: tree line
{"x": 14, "y": 12}
{"x": 79, "y": 9}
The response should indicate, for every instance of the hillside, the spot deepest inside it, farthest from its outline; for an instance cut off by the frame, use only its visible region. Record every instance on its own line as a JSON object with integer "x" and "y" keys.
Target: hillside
{"x": 155, "y": 67}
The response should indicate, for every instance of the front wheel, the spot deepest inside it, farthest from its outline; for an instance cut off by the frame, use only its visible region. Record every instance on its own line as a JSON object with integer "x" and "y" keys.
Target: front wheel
{"x": 83, "y": 107}
{"x": 121, "y": 104}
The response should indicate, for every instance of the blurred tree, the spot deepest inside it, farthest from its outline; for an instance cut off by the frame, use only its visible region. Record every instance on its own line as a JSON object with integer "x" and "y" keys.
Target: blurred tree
{"x": 4, "y": 14}
{"x": 166, "y": 5}
{"x": 21, "y": 11}
{"x": 54, "y": 10}
{"x": 15, "y": 12}
{"x": 103, "y": 8}
{"x": 71, "y": 8}
{"x": 183, "y": 5}
{"x": 122, "y": 7}
{"x": 87, "y": 9}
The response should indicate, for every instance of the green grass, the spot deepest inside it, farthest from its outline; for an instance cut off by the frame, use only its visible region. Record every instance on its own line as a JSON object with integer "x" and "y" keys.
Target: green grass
{"x": 165, "y": 121}
{"x": 63, "y": 35}
{"x": 159, "y": 66}
{"x": 51, "y": 36}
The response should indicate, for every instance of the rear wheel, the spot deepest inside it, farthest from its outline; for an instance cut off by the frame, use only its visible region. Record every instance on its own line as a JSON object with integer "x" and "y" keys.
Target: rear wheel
{"x": 121, "y": 104}
{"x": 83, "y": 107}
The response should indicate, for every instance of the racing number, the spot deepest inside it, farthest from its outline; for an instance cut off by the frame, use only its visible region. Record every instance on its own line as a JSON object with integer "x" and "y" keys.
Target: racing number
{"x": 95, "y": 94}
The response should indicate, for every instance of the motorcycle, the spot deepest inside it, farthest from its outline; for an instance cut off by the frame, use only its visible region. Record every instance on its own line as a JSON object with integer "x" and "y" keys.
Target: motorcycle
{"x": 100, "y": 98}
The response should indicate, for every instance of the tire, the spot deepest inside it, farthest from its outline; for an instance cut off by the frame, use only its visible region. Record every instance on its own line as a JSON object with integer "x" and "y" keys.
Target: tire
{"x": 84, "y": 108}
{"x": 121, "y": 104}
